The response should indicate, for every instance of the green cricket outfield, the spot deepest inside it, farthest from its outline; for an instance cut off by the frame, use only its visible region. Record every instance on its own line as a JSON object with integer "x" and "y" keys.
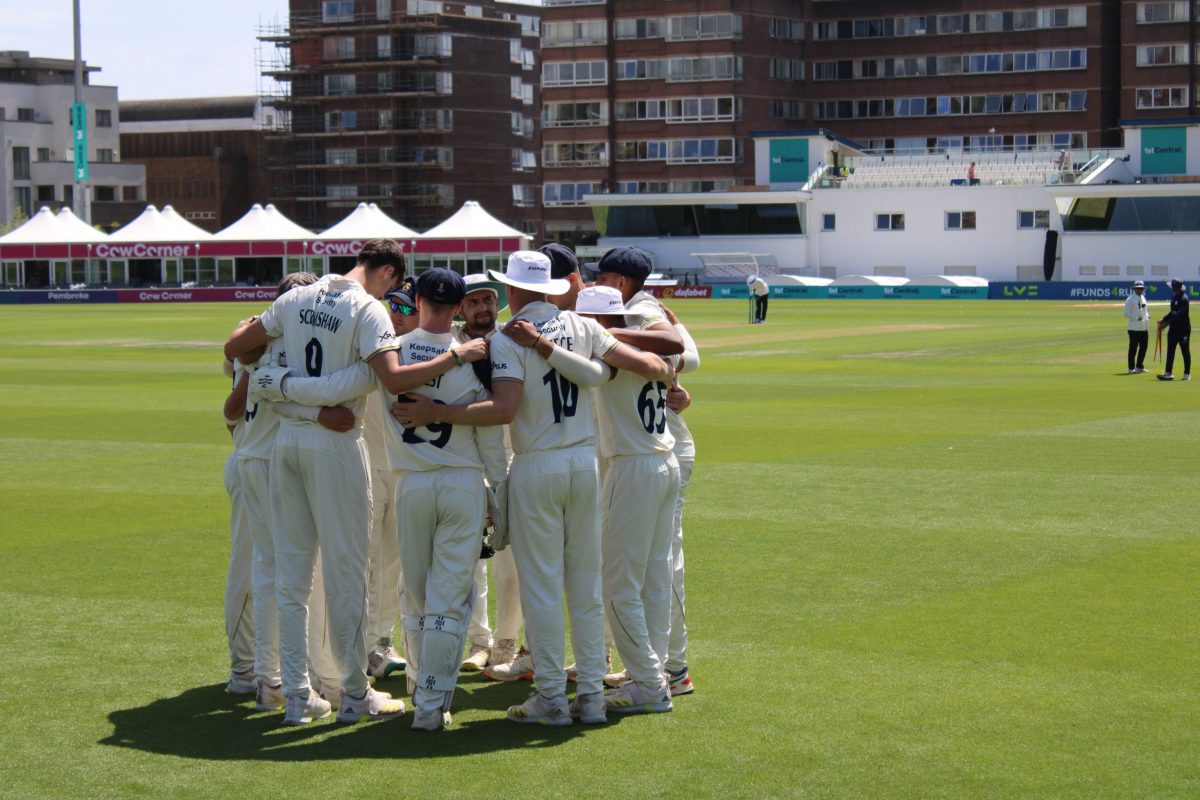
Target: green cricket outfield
{"x": 934, "y": 550}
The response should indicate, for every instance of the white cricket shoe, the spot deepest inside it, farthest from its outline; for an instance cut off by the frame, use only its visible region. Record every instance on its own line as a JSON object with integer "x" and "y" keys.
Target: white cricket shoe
{"x": 384, "y": 661}
{"x": 303, "y": 709}
{"x": 519, "y": 669}
{"x": 242, "y": 683}
{"x": 590, "y": 708}
{"x": 679, "y": 682}
{"x": 372, "y": 705}
{"x": 434, "y": 720}
{"x": 268, "y": 697}
{"x": 614, "y": 680}
{"x": 503, "y": 651}
{"x": 542, "y": 710}
{"x": 477, "y": 658}
{"x": 633, "y": 698}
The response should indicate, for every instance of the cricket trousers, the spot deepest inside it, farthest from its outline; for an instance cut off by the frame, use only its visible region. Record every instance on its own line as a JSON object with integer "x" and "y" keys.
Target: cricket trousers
{"x": 320, "y": 499}
{"x": 554, "y": 524}
{"x": 508, "y": 600}
{"x": 639, "y": 497}
{"x": 384, "y": 571}
{"x": 439, "y": 514}
{"x": 677, "y": 641}
{"x": 1185, "y": 350}
{"x": 239, "y": 579}
{"x": 1138, "y": 342}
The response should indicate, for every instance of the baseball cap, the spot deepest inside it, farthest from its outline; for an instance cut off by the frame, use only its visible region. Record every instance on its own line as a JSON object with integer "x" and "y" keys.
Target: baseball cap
{"x": 1139, "y": 285}
{"x": 631, "y": 262}
{"x": 479, "y": 281}
{"x": 530, "y": 270}
{"x": 402, "y": 294}
{"x": 441, "y": 286}
{"x": 562, "y": 259}
{"x": 599, "y": 300}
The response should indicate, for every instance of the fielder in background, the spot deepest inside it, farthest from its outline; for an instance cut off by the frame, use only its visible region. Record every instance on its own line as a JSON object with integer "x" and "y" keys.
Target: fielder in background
{"x": 320, "y": 496}
{"x": 1137, "y": 316}
{"x": 761, "y": 293}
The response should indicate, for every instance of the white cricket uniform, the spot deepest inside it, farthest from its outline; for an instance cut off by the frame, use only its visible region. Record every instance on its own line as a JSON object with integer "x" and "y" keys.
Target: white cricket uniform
{"x": 440, "y": 506}
{"x": 384, "y": 582}
{"x": 319, "y": 488}
{"x": 641, "y": 485}
{"x": 553, "y": 498}
{"x": 261, "y": 425}
{"x": 504, "y": 572}
{"x": 685, "y": 454}
{"x": 239, "y": 580}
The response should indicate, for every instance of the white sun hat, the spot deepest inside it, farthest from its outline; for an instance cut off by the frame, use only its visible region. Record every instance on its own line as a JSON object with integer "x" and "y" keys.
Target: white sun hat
{"x": 599, "y": 300}
{"x": 480, "y": 281}
{"x": 530, "y": 270}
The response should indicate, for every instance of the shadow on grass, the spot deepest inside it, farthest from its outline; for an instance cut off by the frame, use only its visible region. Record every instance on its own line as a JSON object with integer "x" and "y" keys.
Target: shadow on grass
{"x": 206, "y": 723}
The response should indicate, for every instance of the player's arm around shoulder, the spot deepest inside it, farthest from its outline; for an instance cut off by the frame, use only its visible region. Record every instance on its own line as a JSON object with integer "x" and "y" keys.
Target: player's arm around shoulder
{"x": 499, "y": 409}
{"x": 659, "y": 337}
{"x": 399, "y": 377}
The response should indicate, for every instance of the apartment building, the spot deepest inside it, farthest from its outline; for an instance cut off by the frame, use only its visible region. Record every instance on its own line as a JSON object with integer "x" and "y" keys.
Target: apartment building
{"x": 1160, "y": 60}
{"x": 416, "y": 105}
{"x": 37, "y": 164}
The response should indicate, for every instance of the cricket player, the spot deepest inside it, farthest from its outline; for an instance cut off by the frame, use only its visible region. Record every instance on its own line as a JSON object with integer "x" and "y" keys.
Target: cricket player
{"x": 384, "y": 574}
{"x": 239, "y": 609}
{"x": 641, "y": 480}
{"x": 563, "y": 266}
{"x": 553, "y": 488}
{"x": 480, "y": 306}
{"x": 318, "y": 484}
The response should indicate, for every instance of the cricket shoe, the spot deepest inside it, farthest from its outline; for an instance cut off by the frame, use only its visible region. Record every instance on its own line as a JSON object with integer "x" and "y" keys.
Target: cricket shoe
{"x": 383, "y": 662}
{"x": 1166, "y": 376}
{"x": 242, "y": 683}
{"x": 590, "y": 708}
{"x": 633, "y": 698}
{"x": 542, "y": 710}
{"x": 519, "y": 669}
{"x": 1186, "y": 376}
{"x": 372, "y": 705}
{"x": 679, "y": 682}
{"x": 503, "y": 651}
{"x": 303, "y": 709}
{"x": 268, "y": 697}
{"x": 615, "y": 680}
{"x": 477, "y": 658}
{"x": 434, "y": 720}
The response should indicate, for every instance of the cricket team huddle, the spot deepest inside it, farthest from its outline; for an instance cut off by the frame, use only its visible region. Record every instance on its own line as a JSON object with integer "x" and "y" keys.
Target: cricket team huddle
{"x": 385, "y": 453}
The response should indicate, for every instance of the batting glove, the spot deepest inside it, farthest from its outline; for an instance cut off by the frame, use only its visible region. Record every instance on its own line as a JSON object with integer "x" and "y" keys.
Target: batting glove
{"x": 266, "y": 383}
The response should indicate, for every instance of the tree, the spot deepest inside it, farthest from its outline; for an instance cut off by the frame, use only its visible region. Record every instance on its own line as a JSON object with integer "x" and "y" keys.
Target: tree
{"x": 17, "y": 219}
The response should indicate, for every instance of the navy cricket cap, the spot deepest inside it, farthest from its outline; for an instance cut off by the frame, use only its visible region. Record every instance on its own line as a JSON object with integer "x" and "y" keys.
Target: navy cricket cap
{"x": 441, "y": 285}
{"x": 404, "y": 293}
{"x": 562, "y": 259}
{"x": 631, "y": 262}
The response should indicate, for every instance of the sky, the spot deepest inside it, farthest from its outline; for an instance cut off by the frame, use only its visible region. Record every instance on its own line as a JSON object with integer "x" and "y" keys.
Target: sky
{"x": 150, "y": 49}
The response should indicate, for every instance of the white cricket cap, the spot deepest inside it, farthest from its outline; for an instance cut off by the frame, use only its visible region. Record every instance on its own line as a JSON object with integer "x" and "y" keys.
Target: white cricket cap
{"x": 479, "y": 281}
{"x": 530, "y": 270}
{"x": 599, "y": 300}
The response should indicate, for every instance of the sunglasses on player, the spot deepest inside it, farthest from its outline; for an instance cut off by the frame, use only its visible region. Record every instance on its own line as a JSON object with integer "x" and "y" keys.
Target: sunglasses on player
{"x": 401, "y": 309}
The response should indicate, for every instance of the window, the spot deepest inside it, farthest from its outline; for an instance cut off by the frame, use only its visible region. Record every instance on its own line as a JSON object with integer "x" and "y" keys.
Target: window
{"x": 341, "y": 155}
{"x": 383, "y": 46}
{"x": 581, "y": 32}
{"x": 1161, "y": 97}
{"x": 704, "y": 68}
{"x": 640, "y": 69}
{"x": 103, "y": 118}
{"x": 383, "y": 9}
{"x": 20, "y": 160}
{"x": 338, "y": 48}
{"x": 637, "y": 29}
{"x": 45, "y": 194}
{"x": 524, "y": 196}
{"x": 575, "y": 73}
{"x": 425, "y": 7}
{"x": 23, "y": 199}
{"x": 889, "y": 222}
{"x": 105, "y": 155}
{"x": 704, "y": 151}
{"x": 578, "y": 154}
{"x": 704, "y": 26}
{"x": 342, "y": 120}
{"x": 1157, "y": 55}
{"x": 104, "y": 194}
{"x": 1030, "y": 220}
{"x": 340, "y": 84}
{"x": 566, "y": 194}
{"x": 385, "y": 82}
{"x": 25, "y": 115}
{"x": 829, "y": 222}
{"x": 1161, "y": 12}
{"x": 43, "y": 154}
{"x": 788, "y": 69}
{"x": 960, "y": 220}
{"x": 792, "y": 29}
{"x": 787, "y": 109}
{"x": 337, "y": 11}
{"x": 565, "y": 115}
{"x": 428, "y": 45}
